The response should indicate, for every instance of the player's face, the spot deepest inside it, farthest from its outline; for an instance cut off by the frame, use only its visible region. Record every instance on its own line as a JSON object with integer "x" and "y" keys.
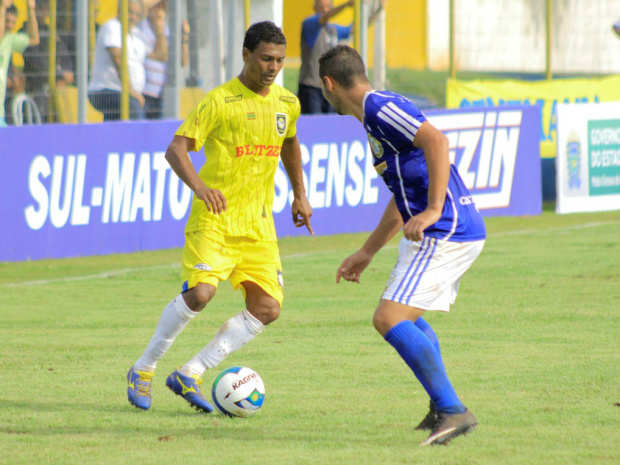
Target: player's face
{"x": 263, "y": 64}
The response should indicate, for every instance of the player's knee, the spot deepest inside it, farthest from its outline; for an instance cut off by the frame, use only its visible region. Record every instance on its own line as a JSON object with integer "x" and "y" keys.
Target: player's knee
{"x": 380, "y": 322}
{"x": 199, "y": 296}
{"x": 268, "y": 313}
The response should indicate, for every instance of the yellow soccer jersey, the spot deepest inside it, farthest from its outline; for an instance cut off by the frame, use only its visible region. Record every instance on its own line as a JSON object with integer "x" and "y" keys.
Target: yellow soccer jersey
{"x": 242, "y": 134}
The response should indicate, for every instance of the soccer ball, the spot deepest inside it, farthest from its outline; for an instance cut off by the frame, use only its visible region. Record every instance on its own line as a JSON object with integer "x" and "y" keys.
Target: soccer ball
{"x": 238, "y": 392}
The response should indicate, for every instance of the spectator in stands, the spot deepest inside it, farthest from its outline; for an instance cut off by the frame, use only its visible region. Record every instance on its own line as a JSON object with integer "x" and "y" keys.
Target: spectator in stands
{"x": 36, "y": 62}
{"x": 318, "y": 35}
{"x": 155, "y": 29}
{"x": 104, "y": 89}
{"x": 13, "y": 42}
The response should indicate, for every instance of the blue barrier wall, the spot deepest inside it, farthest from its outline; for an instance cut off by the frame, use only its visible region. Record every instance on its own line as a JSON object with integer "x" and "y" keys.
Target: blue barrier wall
{"x": 72, "y": 190}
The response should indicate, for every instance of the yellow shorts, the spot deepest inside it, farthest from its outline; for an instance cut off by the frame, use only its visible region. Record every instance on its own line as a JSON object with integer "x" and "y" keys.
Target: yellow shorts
{"x": 210, "y": 257}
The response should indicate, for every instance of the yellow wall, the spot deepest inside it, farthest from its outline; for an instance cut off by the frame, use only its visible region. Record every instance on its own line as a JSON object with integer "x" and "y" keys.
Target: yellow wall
{"x": 405, "y": 31}
{"x": 106, "y": 10}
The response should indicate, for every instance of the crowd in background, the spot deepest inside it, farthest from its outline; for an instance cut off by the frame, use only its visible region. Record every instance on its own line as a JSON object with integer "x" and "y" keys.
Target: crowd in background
{"x": 147, "y": 57}
{"x": 29, "y": 75}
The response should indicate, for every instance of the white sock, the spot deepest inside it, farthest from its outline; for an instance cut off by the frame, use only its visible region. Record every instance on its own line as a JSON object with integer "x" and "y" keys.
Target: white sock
{"x": 173, "y": 319}
{"x": 232, "y": 336}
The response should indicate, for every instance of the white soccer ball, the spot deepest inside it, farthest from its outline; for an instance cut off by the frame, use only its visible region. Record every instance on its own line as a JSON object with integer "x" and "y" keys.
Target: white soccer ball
{"x": 238, "y": 392}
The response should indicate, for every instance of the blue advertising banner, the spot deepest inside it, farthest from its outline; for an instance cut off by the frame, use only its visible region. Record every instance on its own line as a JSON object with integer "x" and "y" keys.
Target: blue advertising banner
{"x": 73, "y": 190}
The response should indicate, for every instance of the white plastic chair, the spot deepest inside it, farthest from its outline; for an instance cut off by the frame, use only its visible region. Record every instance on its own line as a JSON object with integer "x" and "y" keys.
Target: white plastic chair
{"x": 25, "y": 110}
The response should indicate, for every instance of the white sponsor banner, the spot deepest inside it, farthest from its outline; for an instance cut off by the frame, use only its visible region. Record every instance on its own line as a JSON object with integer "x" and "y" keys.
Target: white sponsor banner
{"x": 588, "y": 160}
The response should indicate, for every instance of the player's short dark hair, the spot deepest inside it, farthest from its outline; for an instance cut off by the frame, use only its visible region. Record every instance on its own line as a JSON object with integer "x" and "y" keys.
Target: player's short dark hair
{"x": 344, "y": 65}
{"x": 265, "y": 31}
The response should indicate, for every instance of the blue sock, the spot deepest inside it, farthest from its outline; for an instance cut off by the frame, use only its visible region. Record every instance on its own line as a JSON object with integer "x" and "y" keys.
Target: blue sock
{"x": 430, "y": 334}
{"x": 420, "y": 355}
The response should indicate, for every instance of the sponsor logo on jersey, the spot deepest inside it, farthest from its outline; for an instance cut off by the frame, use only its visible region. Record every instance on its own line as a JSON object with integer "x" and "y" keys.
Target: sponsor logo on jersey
{"x": 286, "y": 99}
{"x": 258, "y": 150}
{"x": 466, "y": 200}
{"x": 375, "y": 146}
{"x": 381, "y": 167}
{"x": 235, "y": 98}
{"x": 281, "y": 123}
{"x": 250, "y": 115}
{"x": 203, "y": 267}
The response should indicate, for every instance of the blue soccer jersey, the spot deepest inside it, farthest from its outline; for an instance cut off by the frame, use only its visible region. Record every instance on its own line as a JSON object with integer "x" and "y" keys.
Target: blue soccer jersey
{"x": 391, "y": 122}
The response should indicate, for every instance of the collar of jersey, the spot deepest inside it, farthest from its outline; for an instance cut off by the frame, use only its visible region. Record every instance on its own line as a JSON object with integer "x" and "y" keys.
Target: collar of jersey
{"x": 250, "y": 93}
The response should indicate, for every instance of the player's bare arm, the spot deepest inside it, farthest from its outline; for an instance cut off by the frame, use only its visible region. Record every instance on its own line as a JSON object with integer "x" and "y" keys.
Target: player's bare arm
{"x": 353, "y": 266}
{"x": 291, "y": 159}
{"x": 435, "y": 146}
{"x": 177, "y": 156}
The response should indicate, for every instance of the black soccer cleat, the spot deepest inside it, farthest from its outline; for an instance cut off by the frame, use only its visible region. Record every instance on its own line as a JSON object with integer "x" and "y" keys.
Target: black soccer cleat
{"x": 450, "y": 426}
{"x": 429, "y": 422}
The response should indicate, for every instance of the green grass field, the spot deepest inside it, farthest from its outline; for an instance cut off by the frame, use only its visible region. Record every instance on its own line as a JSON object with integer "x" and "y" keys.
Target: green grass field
{"x": 532, "y": 346}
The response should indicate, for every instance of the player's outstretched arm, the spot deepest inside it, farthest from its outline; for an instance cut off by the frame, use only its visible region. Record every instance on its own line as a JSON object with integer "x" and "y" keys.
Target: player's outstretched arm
{"x": 178, "y": 157}
{"x": 291, "y": 159}
{"x": 391, "y": 222}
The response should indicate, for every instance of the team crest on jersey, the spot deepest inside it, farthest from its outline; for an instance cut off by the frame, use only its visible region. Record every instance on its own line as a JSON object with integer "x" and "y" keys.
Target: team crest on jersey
{"x": 281, "y": 123}
{"x": 280, "y": 278}
{"x": 375, "y": 146}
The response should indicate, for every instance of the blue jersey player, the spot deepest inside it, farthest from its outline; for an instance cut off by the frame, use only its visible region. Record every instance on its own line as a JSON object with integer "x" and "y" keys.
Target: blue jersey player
{"x": 443, "y": 231}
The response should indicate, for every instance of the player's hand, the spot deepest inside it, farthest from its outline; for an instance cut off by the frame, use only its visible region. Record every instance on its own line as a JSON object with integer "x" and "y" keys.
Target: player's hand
{"x": 213, "y": 199}
{"x": 352, "y": 267}
{"x": 302, "y": 211}
{"x": 414, "y": 228}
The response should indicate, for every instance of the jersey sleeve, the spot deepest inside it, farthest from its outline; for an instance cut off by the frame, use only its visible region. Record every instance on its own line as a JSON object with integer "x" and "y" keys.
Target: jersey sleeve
{"x": 201, "y": 121}
{"x": 397, "y": 119}
{"x": 292, "y": 128}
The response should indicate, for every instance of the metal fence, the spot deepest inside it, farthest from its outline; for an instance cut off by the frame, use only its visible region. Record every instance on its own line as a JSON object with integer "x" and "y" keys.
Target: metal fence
{"x": 49, "y": 82}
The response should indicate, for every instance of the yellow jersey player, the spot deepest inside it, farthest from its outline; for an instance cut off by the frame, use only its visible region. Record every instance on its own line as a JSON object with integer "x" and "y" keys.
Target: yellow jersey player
{"x": 245, "y": 126}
